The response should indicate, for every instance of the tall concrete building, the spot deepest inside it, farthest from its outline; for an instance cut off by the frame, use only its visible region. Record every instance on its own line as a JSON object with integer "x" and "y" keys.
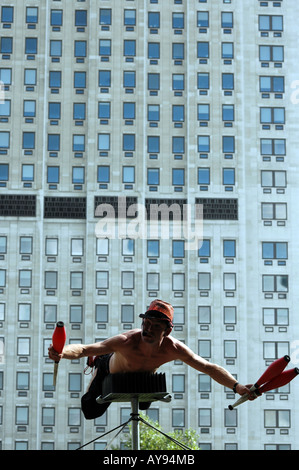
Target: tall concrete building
{"x": 134, "y": 105}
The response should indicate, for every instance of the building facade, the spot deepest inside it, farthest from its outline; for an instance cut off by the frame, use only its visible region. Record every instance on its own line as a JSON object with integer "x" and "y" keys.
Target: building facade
{"x": 131, "y": 106}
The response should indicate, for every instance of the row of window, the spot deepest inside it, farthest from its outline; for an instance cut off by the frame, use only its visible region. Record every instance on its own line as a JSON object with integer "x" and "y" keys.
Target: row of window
{"x": 267, "y": 53}
{"x": 271, "y": 316}
{"x": 271, "y": 283}
{"x": 268, "y": 147}
{"x": 271, "y": 351}
{"x": 280, "y": 419}
{"x": 154, "y": 20}
{"x": 269, "y": 178}
{"x": 270, "y": 250}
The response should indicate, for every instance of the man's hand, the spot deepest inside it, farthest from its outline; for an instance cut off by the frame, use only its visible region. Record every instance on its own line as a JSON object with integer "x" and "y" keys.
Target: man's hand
{"x": 54, "y": 354}
{"x": 245, "y": 389}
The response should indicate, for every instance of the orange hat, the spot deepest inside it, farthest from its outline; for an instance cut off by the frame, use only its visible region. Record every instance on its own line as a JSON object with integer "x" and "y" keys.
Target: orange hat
{"x": 159, "y": 309}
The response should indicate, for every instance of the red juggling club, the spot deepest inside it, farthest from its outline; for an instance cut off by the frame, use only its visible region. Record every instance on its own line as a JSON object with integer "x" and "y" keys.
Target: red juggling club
{"x": 272, "y": 372}
{"x": 58, "y": 341}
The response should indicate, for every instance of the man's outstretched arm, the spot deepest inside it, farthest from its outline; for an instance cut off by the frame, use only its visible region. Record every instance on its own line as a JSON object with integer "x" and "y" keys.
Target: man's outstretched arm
{"x": 216, "y": 372}
{"x": 76, "y": 351}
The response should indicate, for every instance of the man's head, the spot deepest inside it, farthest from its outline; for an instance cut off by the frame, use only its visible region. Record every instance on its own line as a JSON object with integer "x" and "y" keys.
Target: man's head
{"x": 158, "y": 313}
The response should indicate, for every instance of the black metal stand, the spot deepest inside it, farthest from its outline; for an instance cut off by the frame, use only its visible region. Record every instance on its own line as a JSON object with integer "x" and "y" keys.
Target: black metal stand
{"x": 134, "y": 399}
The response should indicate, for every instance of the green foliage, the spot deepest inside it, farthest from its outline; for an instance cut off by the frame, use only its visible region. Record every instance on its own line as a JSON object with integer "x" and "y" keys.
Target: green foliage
{"x": 151, "y": 439}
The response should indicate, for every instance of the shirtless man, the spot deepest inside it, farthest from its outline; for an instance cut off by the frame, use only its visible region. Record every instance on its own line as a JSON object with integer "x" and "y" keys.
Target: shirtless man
{"x": 141, "y": 350}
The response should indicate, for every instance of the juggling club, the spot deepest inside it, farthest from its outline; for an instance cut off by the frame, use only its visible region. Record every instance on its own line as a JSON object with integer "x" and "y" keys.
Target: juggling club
{"x": 58, "y": 341}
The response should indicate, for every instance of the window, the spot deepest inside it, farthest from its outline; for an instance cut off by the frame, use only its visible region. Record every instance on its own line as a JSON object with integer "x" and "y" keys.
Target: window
{"x": 274, "y": 211}
{"x": 53, "y": 174}
{"x": 152, "y": 281}
{"x": 227, "y": 19}
{"x": 129, "y": 48}
{"x": 272, "y": 84}
{"x": 178, "y": 176}
{"x": 178, "y": 145}
{"x": 128, "y": 174}
{"x": 178, "y": 248}
{"x": 275, "y": 250}
{"x": 227, "y": 81}
{"x": 275, "y": 283}
{"x": 154, "y": 19}
{"x": 178, "y": 51}
{"x": 56, "y": 17}
{"x": 127, "y": 313}
{"x": 31, "y": 15}
{"x": 29, "y": 109}
{"x": 228, "y": 143}
{"x": 229, "y": 248}
{"x": 105, "y": 47}
{"x": 153, "y": 82}
{"x": 228, "y": 176}
{"x": 276, "y": 316}
{"x": 22, "y": 381}
{"x": 178, "y": 20}
{"x": 277, "y": 418}
{"x": 22, "y": 415}
{"x": 204, "y": 281}
{"x": 203, "y": 19}
{"x": 48, "y": 416}
{"x": 129, "y": 110}
{"x": 273, "y": 179}
{"x": 50, "y": 314}
{"x": 203, "y": 143}
{"x": 79, "y": 79}
{"x": 129, "y": 79}
{"x": 80, "y": 48}
{"x": 227, "y": 50}
{"x": 129, "y": 142}
{"x": 153, "y": 50}
{"x": 27, "y": 172}
{"x": 102, "y": 246}
{"x": 105, "y": 16}
{"x": 104, "y": 78}
{"x": 272, "y": 115}
{"x": 25, "y": 278}
{"x": 103, "y": 174}
{"x": 178, "y": 80}
{"x": 153, "y": 248}
{"x": 54, "y": 79}
{"x": 24, "y": 312}
{"x": 153, "y": 144}
{"x": 129, "y": 17}
{"x": 23, "y": 346}
{"x": 204, "y": 250}
{"x": 103, "y": 142}
{"x": 230, "y": 348}
{"x": 6, "y": 44}
{"x": 273, "y": 147}
{"x": 127, "y": 280}
{"x": 204, "y": 417}
{"x": 4, "y": 140}
{"x": 203, "y": 176}
{"x": 203, "y": 81}
{"x": 178, "y": 282}
{"x": 102, "y": 279}
{"x": 274, "y": 350}
{"x": 178, "y": 383}
{"x": 51, "y": 247}
{"x": 202, "y": 50}
{"x": 80, "y": 18}
{"x": 6, "y": 14}
{"x": 78, "y": 175}
{"x": 51, "y": 278}
{"x": 153, "y": 176}
{"x": 178, "y": 113}
{"x": 102, "y": 313}
{"x": 78, "y": 143}
{"x": 229, "y": 281}
{"x": 204, "y": 314}
{"x": 4, "y": 171}
{"x": 30, "y": 45}
{"x": 270, "y": 23}
{"x": 54, "y": 142}
{"x": 228, "y": 112}
{"x": 271, "y": 53}
{"x": 30, "y": 77}
{"x": 28, "y": 140}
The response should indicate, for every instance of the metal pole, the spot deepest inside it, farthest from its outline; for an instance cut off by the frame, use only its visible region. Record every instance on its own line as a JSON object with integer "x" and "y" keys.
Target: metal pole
{"x": 135, "y": 424}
